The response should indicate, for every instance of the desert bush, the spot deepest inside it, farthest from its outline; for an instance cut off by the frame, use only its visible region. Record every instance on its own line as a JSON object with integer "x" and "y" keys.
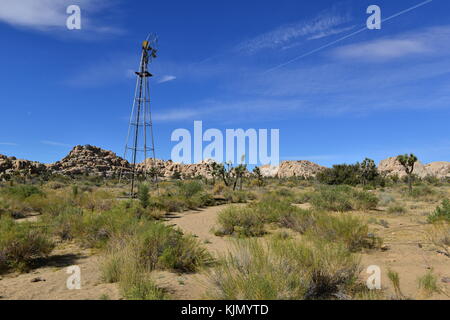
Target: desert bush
{"x": 55, "y": 185}
{"x": 189, "y": 188}
{"x": 303, "y": 197}
{"x": 439, "y": 235}
{"x": 343, "y": 198}
{"x": 428, "y": 283}
{"x": 240, "y": 221}
{"x": 332, "y": 198}
{"x": 386, "y": 199}
{"x": 348, "y": 174}
{"x": 349, "y": 230}
{"x": 140, "y": 286}
{"x": 163, "y": 247}
{"x": 237, "y": 196}
{"x": 441, "y": 212}
{"x": 284, "y": 269}
{"x": 22, "y": 191}
{"x": 152, "y": 246}
{"x": 396, "y": 209}
{"x": 271, "y": 208}
{"x": 21, "y": 244}
{"x": 299, "y": 220}
{"x": 219, "y": 187}
{"x": 94, "y": 229}
{"x": 143, "y": 195}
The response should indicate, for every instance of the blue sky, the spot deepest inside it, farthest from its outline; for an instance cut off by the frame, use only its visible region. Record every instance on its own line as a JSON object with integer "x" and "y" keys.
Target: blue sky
{"x": 377, "y": 93}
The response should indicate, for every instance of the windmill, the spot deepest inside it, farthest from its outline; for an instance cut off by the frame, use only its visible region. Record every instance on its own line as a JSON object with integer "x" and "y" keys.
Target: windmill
{"x": 140, "y": 139}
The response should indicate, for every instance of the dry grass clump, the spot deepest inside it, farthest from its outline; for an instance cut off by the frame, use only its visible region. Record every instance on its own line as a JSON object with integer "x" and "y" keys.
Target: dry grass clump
{"x": 441, "y": 213}
{"x": 240, "y": 221}
{"x": 396, "y": 209}
{"x": 439, "y": 235}
{"x": 21, "y": 244}
{"x": 121, "y": 265}
{"x": 130, "y": 258}
{"x": 343, "y": 198}
{"x": 346, "y": 229}
{"x": 428, "y": 284}
{"x": 285, "y": 269}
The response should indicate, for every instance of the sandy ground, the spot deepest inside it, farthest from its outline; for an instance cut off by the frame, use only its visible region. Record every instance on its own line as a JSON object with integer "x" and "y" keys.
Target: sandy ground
{"x": 410, "y": 254}
{"x": 198, "y": 223}
{"x": 50, "y": 281}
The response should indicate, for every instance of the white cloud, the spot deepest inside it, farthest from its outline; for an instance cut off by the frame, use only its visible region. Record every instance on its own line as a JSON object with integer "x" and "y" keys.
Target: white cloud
{"x": 48, "y": 15}
{"x": 8, "y": 144}
{"x": 429, "y": 41}
{"x": 323, "y": 25}
{"x": 166, "y": 78}
{"x": 54, "y": 143}
{"x": 232, "y": 110}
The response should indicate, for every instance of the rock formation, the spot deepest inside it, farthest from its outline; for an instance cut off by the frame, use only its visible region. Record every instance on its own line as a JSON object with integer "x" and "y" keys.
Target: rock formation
{"x": 90, "y": 160}
{"x": 10, "y": 166}
{"x": 93, "y": 161}
{"x": 391, "y": 167}
{"x": 287, "y": 169}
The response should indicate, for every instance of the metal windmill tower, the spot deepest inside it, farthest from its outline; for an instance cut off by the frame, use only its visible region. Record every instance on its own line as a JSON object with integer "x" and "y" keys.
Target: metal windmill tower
{"x": 140, "y": 139}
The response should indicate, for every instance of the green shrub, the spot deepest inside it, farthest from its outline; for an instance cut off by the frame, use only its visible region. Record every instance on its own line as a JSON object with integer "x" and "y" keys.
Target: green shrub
{"x": 396, "y": 209}
{"x": 299, "y": 220}
{"x": 189, "y": 188}
{"x": 21, "y": 244}
{"x": 237, "y": 196}
{"x": 122, "y": 264}
{"x": 423, "y": 192}
{"x": 151, "y": 246}
{"x": 441, "y": 212}
{"x": 348, "y": 174}
{"x": 284, "y": 270}
{"x": 241, "y": 221}
{"x": 343, "y": 198}
{"x": 332, "y": 198}
{"x": 143, "y": 195}
{"x": 349, "y": 230}
{"x": 428, "y": 283}
{"x": 270, "y": 208}
{"x": 23, "y": 191}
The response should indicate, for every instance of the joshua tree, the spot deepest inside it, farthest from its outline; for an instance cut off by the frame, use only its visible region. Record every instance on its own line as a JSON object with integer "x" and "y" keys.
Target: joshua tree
{"x": 368, "y": 170}
{"x": 238, "y": 173}
{"x": 408, "y": 161}
{"x": 259, "y": 176}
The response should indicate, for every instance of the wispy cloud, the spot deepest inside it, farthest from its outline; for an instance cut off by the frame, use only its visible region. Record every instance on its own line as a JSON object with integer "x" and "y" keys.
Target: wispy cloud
{"x": 55, "y": 143}
{"x": 323, "y": 25}
{"x": 231, "y": 110}
{"x": 8, "y": 144}
{"x": 110, "y": 70}
{"x": 431, "y": 41}
{"x": 166, "y": 78}
{"x": 50, "y": 15}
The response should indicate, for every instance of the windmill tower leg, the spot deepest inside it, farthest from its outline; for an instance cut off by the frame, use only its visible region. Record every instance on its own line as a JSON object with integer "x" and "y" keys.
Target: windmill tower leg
{"x": 141, "y": 118}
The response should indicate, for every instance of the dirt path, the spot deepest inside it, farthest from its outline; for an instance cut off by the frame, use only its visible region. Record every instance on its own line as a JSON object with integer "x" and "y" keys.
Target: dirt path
{"x": 198, "y": 223}
{"x": 50, "y": 281}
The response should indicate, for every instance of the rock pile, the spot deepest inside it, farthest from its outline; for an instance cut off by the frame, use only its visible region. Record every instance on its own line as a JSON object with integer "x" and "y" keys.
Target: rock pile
{"x": 10, "y": 166}
{"x": 391, "y": 167}
{"x": 169, "y": 168}
{"x": 91, "y": 161}
{"x": 286, "y": 169}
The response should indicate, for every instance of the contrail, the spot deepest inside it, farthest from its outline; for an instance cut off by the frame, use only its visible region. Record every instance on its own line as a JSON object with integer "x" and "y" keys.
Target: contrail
{"x": 345, "y": 37}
